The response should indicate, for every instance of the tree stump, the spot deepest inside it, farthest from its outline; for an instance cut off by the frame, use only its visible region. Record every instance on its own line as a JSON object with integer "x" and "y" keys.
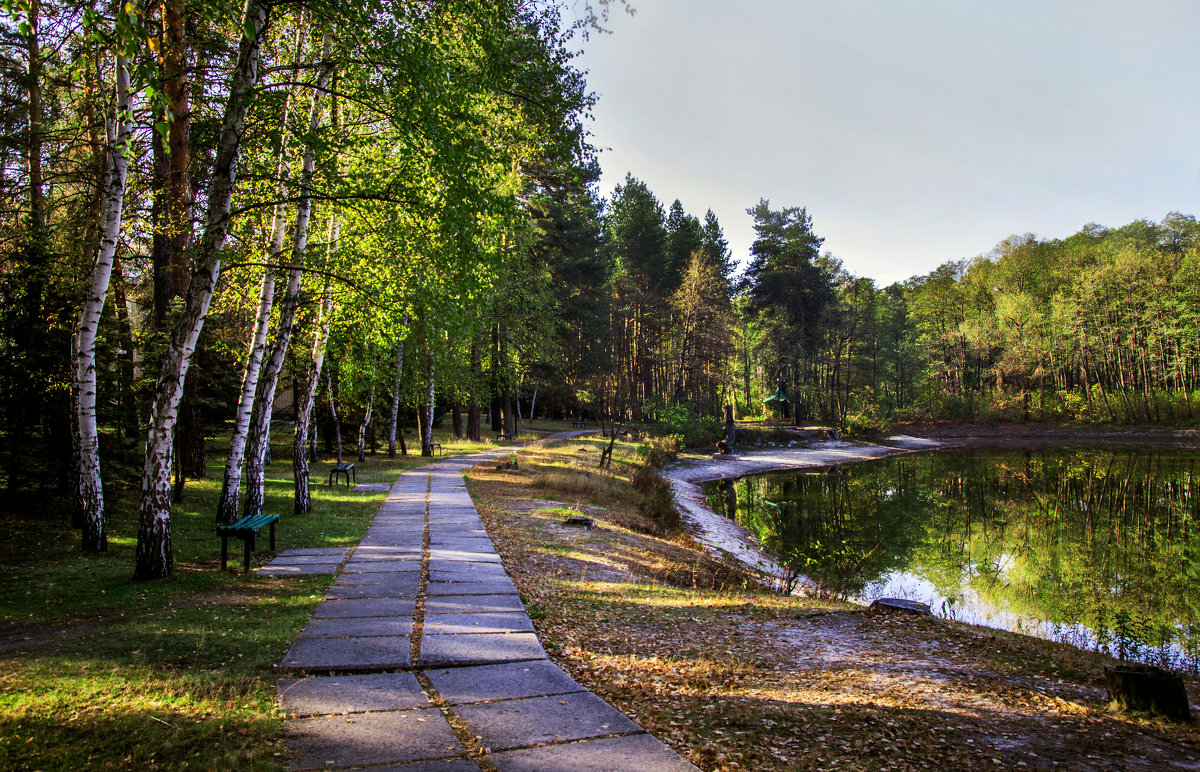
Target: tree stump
{"x": 1148, "y": 688}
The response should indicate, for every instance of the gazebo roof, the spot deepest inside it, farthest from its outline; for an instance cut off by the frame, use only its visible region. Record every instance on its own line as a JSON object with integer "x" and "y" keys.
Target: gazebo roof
{"x": 779, "y": 396}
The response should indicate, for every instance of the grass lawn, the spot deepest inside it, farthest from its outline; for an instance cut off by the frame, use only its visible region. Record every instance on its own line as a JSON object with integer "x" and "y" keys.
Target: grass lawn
{"x": 100, "y": 672}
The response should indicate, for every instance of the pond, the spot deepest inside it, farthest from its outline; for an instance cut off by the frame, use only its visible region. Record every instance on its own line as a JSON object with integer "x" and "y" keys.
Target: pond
{"x": 1098, "y": 547}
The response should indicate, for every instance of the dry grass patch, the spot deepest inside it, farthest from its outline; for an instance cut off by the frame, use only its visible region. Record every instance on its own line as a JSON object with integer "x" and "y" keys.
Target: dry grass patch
{"x": 737, "y": 678}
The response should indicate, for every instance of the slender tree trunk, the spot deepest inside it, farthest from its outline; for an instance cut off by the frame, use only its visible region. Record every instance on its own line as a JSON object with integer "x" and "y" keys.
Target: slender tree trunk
{"x": 90, "y": 492}
{"x": 366, "y": 422}
{"x": 128, "y": 423}
{"x": 260, "y": 432}
{"x": 456, "y": 418}
{"x": 302, "y": 503}
{"x": 533, "y": 402}
{"x": 153, "y": 558}
{"x": 227, "y": 506}
{"x": 337, "y": 424}
{"x": 473, "y": 403}
{"x": 427, "y": 424}
{"x": 394, "y": 420}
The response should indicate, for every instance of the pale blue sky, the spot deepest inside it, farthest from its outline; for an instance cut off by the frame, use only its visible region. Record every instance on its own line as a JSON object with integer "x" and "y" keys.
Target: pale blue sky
{"x": 914, "y": 131}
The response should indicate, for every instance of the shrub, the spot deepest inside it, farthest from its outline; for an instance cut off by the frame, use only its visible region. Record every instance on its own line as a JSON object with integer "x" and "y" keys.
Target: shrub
{"x": 867, "y": 422}
{"x": 656, "y": 500}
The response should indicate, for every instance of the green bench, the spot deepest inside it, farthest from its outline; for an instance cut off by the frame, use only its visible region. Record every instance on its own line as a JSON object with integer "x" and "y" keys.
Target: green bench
{"x": 579, "y": 424}
{"x": 245, "y": 529}
{"x": 343, "y": 469}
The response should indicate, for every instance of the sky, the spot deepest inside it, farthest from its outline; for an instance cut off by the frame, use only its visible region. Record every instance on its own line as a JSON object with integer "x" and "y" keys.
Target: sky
{"x": 913, "y": 131}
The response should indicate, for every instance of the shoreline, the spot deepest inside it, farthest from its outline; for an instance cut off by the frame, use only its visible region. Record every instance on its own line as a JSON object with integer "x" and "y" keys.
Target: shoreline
{"x": 722, "y": 537}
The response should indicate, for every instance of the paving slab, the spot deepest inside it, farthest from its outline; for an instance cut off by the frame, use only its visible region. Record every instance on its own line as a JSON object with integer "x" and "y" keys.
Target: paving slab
{"x": 372, "y": 487}
{"x": 640, "y": 752}
{"x": 357, "y": 627}
{"x": 370, "y": 738}
{"x": 310, "y": 569}
{"x": 455, "y": 541}
{"x": 324, "y": 695}
{"x": 384, "y": 550}
{"x": 443, "y": 765}
{"x": 358, "y": 607}
{"x": 496, "y": 586}
{"x": 479, "y": 649}
{"x": 405, "y": 586}
{"x": 509, "y": 681}
{"x": 450, "y": 553}
{"x": 381, "y": 566}
{"x": 366, "y": 653}
{"x": 468, "y": 604}
{"x": 412, "y": 545}
{"x": 326, "y": 551}
{"x": 538, "y": 720}
{"x": 300, "y": 560}
{"x": 454, "y": 624}
{"x": 400, "y": 574}
{"x": 460, "y": 571}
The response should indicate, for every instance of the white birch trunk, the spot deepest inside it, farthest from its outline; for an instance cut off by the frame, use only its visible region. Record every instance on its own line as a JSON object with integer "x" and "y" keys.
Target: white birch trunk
{"x": 153, "y": 558}
{"x": 337, "y": 424}
{"x": 395, "y": 419}
{"x": 302, "y": 503}
{"x": 89, "y": 486}
{"x": 227, "y": 507}
{"x": 427, "y": 429}
{"x": 366, "y": 422}
{"x": 260, "y": 432}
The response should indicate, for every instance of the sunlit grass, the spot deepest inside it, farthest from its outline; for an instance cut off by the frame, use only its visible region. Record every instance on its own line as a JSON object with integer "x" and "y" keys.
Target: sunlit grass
{"x": 100, "y": 672}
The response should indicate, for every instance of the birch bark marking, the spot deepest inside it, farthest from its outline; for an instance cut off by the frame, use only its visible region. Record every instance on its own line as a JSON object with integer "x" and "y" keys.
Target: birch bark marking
{"x": 427, "y": 424}
{"x": 333, "y": 413}
{"x": 260, "y": 432}
{"x": 366, "y": 422}
{"x": 153, "y": 558}
{"x": 395, "y": 419}
{"x": 89, "y": 486}
{"x": 227, "y": 507}
{"x": 302, "y": 502}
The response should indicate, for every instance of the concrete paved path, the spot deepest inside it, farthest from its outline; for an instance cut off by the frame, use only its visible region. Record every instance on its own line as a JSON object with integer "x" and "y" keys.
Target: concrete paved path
{"x": 421, "y": 658}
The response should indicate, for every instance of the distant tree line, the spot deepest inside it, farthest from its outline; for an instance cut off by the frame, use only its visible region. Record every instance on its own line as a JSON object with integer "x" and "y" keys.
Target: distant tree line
{"x": 211, "y": 218}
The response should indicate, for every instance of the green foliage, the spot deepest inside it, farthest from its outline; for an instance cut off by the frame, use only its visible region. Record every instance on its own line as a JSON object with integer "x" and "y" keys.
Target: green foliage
{"x": 692, "y": 431}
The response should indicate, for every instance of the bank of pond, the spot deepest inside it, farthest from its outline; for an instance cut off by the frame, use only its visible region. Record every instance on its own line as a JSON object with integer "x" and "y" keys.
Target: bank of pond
{"x": 1097, "y": 547}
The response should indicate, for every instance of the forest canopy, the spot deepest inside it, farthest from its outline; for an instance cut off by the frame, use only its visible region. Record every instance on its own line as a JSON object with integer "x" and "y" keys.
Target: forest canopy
{"x": 215, "y": 216}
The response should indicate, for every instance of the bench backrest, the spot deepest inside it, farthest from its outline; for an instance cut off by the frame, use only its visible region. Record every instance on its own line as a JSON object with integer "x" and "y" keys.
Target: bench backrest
{"x": 248, "y": 523}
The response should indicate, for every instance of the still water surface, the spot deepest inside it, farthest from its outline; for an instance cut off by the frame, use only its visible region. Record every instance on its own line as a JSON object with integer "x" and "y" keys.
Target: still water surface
{"x": 1099, "y": 547}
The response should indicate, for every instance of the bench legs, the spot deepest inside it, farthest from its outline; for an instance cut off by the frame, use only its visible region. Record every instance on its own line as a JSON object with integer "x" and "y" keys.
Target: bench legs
{"x": 247, "y": 548}
{"x": 336, "y": 474}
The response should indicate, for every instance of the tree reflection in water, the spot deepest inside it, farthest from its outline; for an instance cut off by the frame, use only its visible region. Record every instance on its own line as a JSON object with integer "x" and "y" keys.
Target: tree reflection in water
{"x": 1099, "y": 547}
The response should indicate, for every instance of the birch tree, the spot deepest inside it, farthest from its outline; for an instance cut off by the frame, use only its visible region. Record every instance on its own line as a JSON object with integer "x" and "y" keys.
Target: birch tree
{"x": 90, "y": 492}
{"x": 153, "y": 557}
{"x": 227, "y": 506}
{"x": 260, "y": 432}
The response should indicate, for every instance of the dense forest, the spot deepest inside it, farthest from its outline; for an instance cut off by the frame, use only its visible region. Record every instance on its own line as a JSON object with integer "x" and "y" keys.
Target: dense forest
{"x": 211, "y": 218}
